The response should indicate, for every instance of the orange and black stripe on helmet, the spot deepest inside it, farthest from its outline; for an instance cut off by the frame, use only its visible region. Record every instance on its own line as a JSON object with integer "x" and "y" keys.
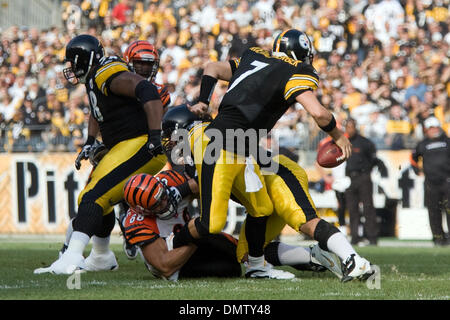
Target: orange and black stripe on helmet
{"x": 171, "y": 178}
{"x": 141, "y": 50}
{"x": 143, "y": 190}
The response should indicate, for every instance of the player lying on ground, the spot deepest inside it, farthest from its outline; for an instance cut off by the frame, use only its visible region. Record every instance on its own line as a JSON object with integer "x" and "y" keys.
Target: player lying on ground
{"x": 156, "y": 213}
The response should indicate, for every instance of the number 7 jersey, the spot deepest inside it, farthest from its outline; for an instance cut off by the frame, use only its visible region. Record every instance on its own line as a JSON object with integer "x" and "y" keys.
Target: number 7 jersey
{"x": 264, "y": 86}
{"x": 119, "y": 117}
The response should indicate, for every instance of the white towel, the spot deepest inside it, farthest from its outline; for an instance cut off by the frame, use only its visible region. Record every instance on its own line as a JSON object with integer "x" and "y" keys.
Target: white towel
{"x": 252, "y": 181}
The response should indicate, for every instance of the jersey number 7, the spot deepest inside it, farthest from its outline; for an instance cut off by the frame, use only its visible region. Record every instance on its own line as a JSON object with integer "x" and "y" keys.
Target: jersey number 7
{"x": 258, "y": 66}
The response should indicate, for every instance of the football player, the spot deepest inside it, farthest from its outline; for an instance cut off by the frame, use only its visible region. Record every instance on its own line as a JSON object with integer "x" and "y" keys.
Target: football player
{"x": 279, "y": 187}
{"x": 143, "y": 59}
{"x": 262, "y": 86}
{"x": 192, "y": 152}
{"x": 157, "y": 211}
{"x": 126, "y": 110}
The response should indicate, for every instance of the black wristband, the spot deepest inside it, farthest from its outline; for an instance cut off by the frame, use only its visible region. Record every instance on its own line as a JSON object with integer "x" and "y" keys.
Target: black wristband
{"x": 330, "y": 126}
{"x": 154, "y": 136}
{"x": 184, "y": 189}
{"x": 146, "y": 91}
{"x": 207, "y": 88}
{"x": 90, "y": 140}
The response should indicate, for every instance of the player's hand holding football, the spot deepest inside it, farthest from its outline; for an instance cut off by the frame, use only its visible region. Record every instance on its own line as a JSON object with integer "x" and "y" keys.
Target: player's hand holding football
{"x": 345, "y": 145}
{"x": 200, "y": 108}
{"x": 84, "y": 153}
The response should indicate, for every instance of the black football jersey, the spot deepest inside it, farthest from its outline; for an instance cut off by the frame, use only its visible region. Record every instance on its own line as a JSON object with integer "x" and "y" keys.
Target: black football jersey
{"x": 119, "y": 117}
{"x": 435, "y": 154}
{"x": 263, "y": 86}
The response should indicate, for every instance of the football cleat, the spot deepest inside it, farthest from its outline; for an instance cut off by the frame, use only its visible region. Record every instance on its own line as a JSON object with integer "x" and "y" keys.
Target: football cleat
{"x": 68, "y": 263}
{"x": 327, "y": 259}
{"x": 130, "y": 250}
{"x": 63, "y": 249}
{"x": 356, "y": 267}
{"x": 101, "y": 262}
{"x": 267, "y": 271}
{"x": 311, "y": 266}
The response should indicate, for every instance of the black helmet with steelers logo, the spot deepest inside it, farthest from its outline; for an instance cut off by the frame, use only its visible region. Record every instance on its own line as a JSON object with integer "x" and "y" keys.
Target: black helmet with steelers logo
{"x": 294, "y": 44}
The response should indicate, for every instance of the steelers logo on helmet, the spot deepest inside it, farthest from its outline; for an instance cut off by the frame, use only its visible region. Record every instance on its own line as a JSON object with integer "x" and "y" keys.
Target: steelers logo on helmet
{"x": 304, "y": 41}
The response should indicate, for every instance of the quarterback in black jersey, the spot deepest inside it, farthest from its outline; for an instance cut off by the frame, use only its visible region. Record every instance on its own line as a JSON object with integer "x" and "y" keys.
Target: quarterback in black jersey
{"x": 262, "y": 86}
{"x": 126, "y": 110}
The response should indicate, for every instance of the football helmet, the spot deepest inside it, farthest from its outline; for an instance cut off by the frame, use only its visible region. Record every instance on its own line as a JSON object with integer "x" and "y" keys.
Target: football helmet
{"x": 178, "y": 117}
{"x": 171, "y": 178}
{"x": 148, "y": 195}
{"x": 142, "y": 58}
{"x": 294, "y": 44}
{"x": 83, "y": 52}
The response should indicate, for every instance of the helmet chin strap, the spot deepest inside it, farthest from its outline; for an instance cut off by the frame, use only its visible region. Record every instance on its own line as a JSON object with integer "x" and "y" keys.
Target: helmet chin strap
{"x": 293, "y": 55}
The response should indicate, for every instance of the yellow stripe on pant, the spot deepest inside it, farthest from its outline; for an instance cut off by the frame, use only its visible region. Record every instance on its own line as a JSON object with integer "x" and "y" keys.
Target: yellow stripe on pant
{"x": 125, "y": 159}
{"x": 293, "y": 205}
{"x": 219, "y": 178}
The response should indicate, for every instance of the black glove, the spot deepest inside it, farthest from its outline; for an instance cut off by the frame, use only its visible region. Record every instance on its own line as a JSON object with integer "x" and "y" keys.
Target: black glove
{"x": 84, "y": 153}
{"x": 97, "y": 152}
{"x": 154, "y": 143}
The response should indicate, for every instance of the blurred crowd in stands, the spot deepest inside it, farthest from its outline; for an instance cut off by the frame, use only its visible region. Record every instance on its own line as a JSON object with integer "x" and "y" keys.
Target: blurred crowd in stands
{"x": 384, "y": 63}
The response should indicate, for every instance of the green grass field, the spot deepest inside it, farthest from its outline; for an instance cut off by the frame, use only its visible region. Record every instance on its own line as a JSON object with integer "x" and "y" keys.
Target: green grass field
{"x": 406, "y": 273}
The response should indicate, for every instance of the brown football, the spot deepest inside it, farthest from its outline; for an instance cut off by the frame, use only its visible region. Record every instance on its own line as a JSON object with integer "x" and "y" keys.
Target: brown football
{"x": 329, "y": 155}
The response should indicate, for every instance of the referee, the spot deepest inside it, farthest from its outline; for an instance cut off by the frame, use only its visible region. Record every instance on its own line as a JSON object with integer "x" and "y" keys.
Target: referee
{"x": 434, "y": 151}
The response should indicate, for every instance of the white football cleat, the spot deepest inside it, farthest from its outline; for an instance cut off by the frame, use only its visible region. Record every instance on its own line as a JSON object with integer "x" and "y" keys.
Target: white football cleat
{"x": 101, "y": 262}
{"x": 67, "y": 263}
{"x": 356, "y": 267}
{"x": 327, "y": 259}
{"x": 267, "y": 271}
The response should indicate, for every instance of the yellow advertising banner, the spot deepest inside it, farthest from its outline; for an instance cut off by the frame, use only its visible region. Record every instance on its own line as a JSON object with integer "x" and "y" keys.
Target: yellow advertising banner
{"x": 39, "y": 192}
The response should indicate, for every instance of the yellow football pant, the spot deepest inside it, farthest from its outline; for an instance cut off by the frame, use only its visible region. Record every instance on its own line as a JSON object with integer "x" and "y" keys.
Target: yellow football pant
{"x": 125, "y": 159}
{"x": 218, "y": 179}
{"x": 288, "y": 189}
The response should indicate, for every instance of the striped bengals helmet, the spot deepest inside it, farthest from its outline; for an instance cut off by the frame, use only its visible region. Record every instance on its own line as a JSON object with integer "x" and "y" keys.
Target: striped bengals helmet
{"x": 142, "y": 51}
{"x": 150, "y": 194}
{"x": 171, "y": 178}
